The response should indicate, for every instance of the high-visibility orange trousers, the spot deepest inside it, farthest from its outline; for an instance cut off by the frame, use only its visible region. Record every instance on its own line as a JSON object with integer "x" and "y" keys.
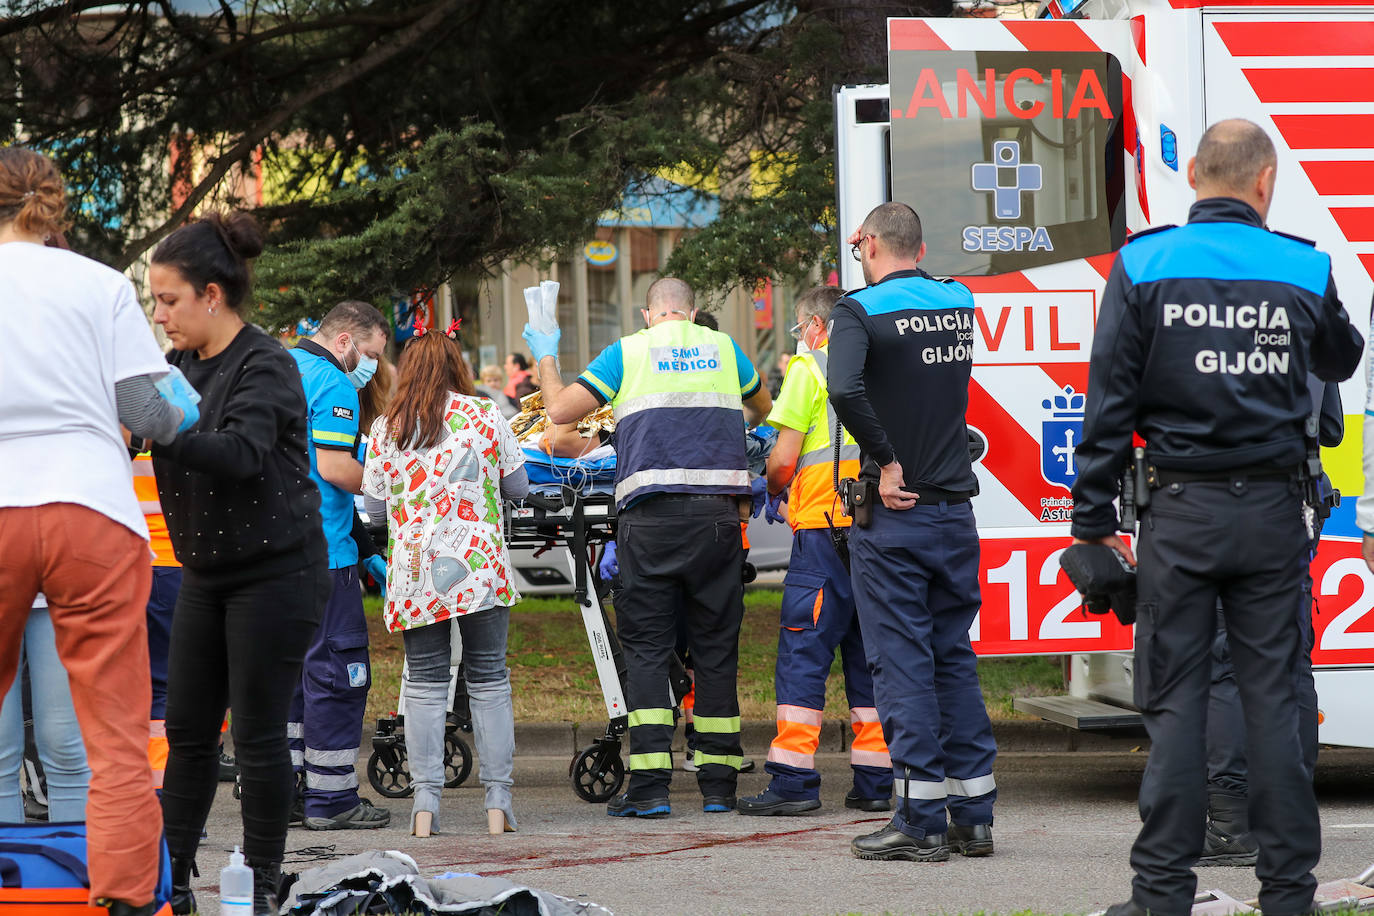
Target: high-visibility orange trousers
{"x": 96, "y": 575}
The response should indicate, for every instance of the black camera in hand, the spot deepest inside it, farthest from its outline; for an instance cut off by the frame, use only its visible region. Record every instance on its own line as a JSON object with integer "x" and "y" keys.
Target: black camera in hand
{"x": 858, "y": 497}
{"x": 1104, "y": 579}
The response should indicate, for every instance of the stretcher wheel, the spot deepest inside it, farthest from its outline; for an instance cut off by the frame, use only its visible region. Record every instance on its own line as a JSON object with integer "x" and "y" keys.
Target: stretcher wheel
{"x": 597, "y": 773}
{"x": 457, "y": 760}
{"x": 391, "y": 780}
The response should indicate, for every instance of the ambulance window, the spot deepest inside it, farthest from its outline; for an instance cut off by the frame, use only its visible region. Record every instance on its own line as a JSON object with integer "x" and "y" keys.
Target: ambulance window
{"x": 1013, "y": 158}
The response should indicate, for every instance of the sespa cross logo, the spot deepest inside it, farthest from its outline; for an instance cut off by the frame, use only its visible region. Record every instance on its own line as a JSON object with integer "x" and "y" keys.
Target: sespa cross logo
{"x": 1006, "y": 177}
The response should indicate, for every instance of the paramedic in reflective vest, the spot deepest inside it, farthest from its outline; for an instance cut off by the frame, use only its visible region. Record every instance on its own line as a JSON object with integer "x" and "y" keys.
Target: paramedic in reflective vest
{"x": 326, "y": 721}
{"x": 901, "y": 353}
{"x": 818, "y": 601}
{"x": 1204, "y": 342}
{"x": 679, "y": 393}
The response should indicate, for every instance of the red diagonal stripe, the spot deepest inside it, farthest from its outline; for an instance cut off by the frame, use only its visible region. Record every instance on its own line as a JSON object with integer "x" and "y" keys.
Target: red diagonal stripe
{"x": 1368, "y": 261}
{"x": 1330, "y": 177}
{"x": 1336, "y": 131}
{"x": 1050, "y": 34}
{"x": 999, "y": 283}
{"x": 1138, "y": 35}
{"x": 1013, "y": 455}
{"x": 1356, "y": 222}
{"x": 913, "y": 35}
{"x": 1311, "y": 84}
{"x": 1293, "y": 39}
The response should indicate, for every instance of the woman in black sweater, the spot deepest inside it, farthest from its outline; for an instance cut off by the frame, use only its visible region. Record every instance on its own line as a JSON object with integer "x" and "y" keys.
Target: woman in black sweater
{"x": 244, "y": 520}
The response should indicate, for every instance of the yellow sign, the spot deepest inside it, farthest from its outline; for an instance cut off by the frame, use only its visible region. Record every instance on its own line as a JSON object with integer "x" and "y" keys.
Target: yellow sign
{"x": 600, "y": 253}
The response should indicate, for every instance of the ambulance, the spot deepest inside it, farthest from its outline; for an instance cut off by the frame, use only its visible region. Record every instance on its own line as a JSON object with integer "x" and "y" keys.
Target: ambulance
{"x": 1032, "y": 149}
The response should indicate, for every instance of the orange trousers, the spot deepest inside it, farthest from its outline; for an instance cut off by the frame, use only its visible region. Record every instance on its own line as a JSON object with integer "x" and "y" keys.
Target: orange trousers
{"x": 96, "y": 575}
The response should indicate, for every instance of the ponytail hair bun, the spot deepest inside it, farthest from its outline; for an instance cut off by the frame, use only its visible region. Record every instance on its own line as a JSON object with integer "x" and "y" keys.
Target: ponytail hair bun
{"x": 214, "y": 249}
{"x": 241, "y": 233}
{"x": 32, "y": 196}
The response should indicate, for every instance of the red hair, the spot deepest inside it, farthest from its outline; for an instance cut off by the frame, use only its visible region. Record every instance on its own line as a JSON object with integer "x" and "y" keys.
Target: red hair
{"x": 431, "y": 366}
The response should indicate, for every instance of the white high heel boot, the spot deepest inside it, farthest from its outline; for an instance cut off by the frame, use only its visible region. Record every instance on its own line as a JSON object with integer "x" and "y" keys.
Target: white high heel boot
{"x": 426, "y": 713}
{"x": 493, "y": 731}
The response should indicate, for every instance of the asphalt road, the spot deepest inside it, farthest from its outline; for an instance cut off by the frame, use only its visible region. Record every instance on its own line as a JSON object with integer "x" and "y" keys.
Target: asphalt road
{"x": 1065, "y": 822}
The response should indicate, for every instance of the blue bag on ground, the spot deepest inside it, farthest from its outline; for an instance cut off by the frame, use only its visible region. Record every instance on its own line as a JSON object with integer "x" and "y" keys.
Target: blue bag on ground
{"x": 54, "y": 856}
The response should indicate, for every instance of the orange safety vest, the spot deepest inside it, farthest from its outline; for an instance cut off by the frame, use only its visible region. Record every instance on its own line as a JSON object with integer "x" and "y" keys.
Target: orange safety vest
{"x": 145, "y": 488}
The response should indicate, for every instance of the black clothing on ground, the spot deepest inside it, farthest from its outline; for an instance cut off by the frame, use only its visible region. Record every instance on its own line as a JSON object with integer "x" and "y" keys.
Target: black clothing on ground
{"x": 222, "y": 625}
{"x": 907, "y": 338}
{"x": 1204, "y": 342}
{"x": 236, "y": 487}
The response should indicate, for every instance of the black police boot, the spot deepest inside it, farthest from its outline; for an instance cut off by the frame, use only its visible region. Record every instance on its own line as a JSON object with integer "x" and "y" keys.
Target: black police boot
{"x": 890, "y": 843}
{"x": 972, "y": 841}
{"x": 183, "y": 902}
{"x": 1228, "y": 839}
{"x": 266, "y": 881}
{"x": 1129, "y": 908}
{"x": 120, "y": 908}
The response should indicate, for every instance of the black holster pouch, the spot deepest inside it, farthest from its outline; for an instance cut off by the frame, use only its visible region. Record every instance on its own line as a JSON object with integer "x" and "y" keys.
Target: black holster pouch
{"x": 1103, "y": 578}
{"x": 858, "y": 497}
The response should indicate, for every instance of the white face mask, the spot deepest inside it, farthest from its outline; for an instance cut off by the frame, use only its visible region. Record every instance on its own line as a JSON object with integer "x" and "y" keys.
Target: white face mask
{"x": 363, "y": 371}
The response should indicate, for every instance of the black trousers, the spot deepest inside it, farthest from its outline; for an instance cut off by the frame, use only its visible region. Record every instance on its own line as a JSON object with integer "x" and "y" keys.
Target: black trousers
{"x": 237, "y": 641}
{"x": 681, "y": 558}
{"x": 1245, "y": 543}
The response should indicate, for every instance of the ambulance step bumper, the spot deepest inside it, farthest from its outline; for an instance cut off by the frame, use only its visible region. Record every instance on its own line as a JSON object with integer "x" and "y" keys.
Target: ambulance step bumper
{"x": 1078, "y": 712}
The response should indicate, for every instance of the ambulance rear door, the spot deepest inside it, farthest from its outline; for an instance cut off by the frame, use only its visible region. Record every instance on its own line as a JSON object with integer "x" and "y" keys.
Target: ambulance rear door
{"x": 1308, "y": 79}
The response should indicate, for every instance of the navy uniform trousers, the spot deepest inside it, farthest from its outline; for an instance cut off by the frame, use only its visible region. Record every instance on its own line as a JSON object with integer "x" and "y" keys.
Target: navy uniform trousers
{"x": 1242, "y": 541}
{"x": 916, "y": 588}
{"x": 325, "y": 724}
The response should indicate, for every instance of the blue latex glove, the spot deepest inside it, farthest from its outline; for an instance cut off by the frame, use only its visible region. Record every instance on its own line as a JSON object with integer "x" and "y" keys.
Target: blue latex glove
{"x": 758, "y": 493}
{"x": 175, "y": 390}
{"x": 376, "y": 568}
{"x": 610, "y": 564}
{"x": 540, "y": 344}
{"x": 773, "y": 511}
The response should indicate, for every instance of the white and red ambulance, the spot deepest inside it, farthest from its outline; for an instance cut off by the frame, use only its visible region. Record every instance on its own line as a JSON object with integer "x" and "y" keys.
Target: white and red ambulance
{"x": 1032, "y": 149}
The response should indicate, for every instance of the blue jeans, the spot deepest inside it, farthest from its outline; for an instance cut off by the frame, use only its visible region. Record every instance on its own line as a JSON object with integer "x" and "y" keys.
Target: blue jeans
{"x": 484, "y": 647}
{"x": 55, "y": 730}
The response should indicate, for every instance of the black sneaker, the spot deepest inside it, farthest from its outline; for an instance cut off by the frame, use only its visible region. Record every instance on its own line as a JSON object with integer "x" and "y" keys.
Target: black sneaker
{"x": 362, "y": 816}
{"x": 717, "y": 804}
{"x": 769, "y": 802}
{"x": 228, "y": 766}
{"x": 859, "y": 803}
{"x": 890, "y": 843}
{"x": 624, "y": 806}
{"x": 972, "y": 841}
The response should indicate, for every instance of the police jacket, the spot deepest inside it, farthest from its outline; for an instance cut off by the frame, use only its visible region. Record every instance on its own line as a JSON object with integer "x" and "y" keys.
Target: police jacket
{"x": 1204, "y": 342}
{"x": 901, "y": 353}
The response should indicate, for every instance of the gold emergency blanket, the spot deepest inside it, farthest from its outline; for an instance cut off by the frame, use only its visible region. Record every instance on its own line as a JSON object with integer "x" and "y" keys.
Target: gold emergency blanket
{"x": 532, "y": 421}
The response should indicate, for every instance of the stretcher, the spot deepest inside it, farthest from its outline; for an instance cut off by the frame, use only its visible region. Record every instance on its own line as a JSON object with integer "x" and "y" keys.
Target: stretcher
{"x": 1346, "y": 895}
{"x": 571, "y": 506}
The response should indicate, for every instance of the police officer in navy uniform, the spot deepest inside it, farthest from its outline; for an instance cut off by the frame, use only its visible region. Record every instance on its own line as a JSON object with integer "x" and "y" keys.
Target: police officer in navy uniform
{"x": 1204, "y": 342}
{"x": 901, "y": 353}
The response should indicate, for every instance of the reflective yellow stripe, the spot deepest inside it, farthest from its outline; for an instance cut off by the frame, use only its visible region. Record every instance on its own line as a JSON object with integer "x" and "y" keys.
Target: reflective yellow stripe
{"x": 323, "y": 435}
{"x": 651, "y": 717}
{"x": 733, "y": 762}
{"x": 718, "y": 725}
{"x": 600, "y": 385}
{"x": 724, "y": 400}
{"x": 652, "y": 761}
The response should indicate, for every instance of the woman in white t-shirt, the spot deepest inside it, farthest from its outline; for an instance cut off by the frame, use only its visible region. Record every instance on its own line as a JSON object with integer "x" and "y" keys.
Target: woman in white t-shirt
{"x": 442, "y": 461}
{"x": 77, "y": 358}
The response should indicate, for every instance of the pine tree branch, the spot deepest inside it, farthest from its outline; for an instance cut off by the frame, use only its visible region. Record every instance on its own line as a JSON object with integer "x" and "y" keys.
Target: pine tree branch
{"x": 421, "y": 29}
